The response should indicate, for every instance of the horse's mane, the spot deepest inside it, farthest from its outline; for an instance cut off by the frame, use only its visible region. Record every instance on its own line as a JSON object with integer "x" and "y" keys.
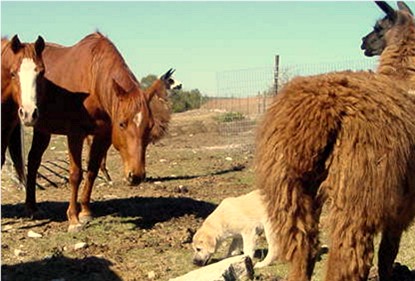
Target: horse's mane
{"x": 105, "y": 49}
{"x": 4, "y": 43}
{"x": 27, "y": 49}
{"x": 106, "y": 57}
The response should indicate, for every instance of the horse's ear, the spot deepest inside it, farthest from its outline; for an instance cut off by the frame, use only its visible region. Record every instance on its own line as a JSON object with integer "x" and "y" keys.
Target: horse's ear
{"x": 389, "y": 11}
{"x": 39, "y": 45}
{"x": 403, "y": 7}
{"x": 119, "y": 90}
{"x": 16, "y": 44}
{"x": 123, "y": 83}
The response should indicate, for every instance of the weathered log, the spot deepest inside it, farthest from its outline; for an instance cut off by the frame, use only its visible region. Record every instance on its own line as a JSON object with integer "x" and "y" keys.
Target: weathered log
{"x": 230, "y": 269}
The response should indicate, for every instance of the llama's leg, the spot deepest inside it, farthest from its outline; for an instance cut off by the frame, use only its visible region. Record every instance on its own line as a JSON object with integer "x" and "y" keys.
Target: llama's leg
{"x": 389, "y": 247}
{"x": 300, "y": 235}
{"x": 351, "y": 251}
{"x": 40, "y": 142}
{"x": 296, "y": 226}
{"x": 98, "y": 150}
{"x": 272, "y": 247}
{"x": 75, "y": 177}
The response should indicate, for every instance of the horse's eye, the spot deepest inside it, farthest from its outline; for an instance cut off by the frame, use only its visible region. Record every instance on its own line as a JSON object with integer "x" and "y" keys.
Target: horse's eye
{"x": 198, "y": 249}
{"x": 123, "y": 124}
{"x": 13, "y": 74}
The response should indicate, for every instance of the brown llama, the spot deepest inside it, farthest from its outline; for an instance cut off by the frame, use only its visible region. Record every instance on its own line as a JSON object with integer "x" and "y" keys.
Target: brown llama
{"x": 348, "y": 139}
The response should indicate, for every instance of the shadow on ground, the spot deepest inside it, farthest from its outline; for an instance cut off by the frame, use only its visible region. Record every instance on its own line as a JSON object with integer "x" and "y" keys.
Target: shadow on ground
{"x": 87, "y": 269}
{"x": 151, "y": 210}
{"x": 145, "y": 211}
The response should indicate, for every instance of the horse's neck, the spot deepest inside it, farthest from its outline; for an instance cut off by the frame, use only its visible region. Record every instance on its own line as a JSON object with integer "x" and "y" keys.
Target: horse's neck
{"x": 398, "y": 62}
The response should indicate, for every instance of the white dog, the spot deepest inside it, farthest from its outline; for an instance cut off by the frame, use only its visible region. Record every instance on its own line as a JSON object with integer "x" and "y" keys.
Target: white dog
{"x": 242, "y": 218}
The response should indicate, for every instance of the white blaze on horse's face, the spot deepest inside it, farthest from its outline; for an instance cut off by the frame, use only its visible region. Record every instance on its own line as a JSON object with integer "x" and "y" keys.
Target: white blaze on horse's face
{"x": 138, "y": 118}
{"x": 28, "y": 112}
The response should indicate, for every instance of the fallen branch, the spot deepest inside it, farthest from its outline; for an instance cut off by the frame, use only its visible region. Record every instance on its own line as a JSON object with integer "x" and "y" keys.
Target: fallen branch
{"x": 230, "y": 269}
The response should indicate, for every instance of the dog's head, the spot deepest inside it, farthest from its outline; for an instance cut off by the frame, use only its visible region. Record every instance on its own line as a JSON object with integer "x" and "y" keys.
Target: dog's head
{"x": 205, "y": 246}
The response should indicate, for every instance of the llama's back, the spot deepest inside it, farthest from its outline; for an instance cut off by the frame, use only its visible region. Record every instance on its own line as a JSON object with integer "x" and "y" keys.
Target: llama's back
{"x": 348, "y": 130}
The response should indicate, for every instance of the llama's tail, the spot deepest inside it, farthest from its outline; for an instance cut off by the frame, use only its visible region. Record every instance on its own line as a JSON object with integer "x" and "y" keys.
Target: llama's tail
{"x": 293, "y": 152}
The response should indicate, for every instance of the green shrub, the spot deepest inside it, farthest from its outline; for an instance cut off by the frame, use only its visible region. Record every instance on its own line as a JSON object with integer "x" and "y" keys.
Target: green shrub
{"x": 230, "y": 117}
{"x": 186, "y": 100}
{"x": 181, "y": 100}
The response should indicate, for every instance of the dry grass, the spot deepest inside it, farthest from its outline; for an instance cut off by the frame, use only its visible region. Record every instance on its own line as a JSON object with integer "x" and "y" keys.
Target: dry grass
{"x": 138, "y": 231}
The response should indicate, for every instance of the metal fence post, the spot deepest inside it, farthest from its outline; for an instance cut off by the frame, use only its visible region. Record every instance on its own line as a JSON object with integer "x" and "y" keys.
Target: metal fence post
{"x": 276, "y": 72}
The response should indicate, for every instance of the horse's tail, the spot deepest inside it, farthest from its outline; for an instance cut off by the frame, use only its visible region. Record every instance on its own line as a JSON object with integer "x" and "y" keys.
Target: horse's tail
{"x": 16, "y": 149}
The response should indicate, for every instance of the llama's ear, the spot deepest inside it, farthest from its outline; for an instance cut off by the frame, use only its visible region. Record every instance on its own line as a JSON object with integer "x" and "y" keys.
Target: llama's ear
{"x": 403, "y": 7}
{"x": 168, "y": 74}
{"x": 39, "y": 45}
{"x": 389, "y": 11}
{"x": 16, "y": 44}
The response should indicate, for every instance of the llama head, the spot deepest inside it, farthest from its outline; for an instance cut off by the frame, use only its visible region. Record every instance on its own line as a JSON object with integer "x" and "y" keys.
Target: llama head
{"x": 384, "y": 31}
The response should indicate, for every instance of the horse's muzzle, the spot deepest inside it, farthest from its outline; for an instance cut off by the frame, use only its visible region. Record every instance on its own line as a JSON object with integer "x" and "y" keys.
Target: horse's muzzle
{"x": 28, "y": 118}
{"x": 134, "y": 179}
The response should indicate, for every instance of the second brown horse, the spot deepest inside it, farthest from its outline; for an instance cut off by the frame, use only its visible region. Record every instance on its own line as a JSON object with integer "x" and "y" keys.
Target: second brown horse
{"x": 89, "y": 90}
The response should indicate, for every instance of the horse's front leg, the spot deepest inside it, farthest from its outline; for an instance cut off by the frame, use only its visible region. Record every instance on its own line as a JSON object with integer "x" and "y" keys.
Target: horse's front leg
{"x": 16, "y": 153}
{"x": 6, "y": 130}
{"x": 75, "y": 177}
{"x": 40, "y": 142}
{"x": 99, "y": 148}
{"x": 104, "y": 170}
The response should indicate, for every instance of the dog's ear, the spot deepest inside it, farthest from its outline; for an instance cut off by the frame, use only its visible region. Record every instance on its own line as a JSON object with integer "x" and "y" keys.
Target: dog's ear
{"x": 211, "y": 243}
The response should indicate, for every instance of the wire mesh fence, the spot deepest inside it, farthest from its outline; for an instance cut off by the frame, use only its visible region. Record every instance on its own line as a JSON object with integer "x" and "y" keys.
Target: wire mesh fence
{"x": 244, "y": 95}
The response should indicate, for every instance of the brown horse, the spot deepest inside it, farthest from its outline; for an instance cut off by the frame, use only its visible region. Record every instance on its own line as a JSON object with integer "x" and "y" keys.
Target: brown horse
{"x": 21, "y": 67}
{"x": 89, "y": 90}
{"x": 159, "y": 108}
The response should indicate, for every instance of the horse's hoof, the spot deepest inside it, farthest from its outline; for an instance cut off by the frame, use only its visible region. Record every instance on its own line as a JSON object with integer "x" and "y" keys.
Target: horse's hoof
{"x": 75, "y": 227}
{"x": 85, "y": 218}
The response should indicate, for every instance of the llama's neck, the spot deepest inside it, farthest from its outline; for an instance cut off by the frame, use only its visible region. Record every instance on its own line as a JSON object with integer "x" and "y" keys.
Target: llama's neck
{"x": 398, "y": 60}
{"x": 156, "y": 89}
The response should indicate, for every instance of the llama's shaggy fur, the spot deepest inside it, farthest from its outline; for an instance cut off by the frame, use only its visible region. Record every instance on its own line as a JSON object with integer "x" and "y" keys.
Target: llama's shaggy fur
{"x": 161, "y": 112}
{"x": 398, "y": 58}
{"x": 348, "y": 137}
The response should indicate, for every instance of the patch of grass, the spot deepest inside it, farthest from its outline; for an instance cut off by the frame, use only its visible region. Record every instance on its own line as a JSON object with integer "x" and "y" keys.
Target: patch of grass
{"x": 230, "y": 117}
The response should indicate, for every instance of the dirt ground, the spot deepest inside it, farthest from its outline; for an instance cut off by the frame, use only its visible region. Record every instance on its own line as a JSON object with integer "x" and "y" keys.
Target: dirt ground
{"x": 138, "y": 233}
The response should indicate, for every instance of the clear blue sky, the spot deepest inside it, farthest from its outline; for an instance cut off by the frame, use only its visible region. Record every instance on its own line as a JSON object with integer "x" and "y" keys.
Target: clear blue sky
{"x": 200, "y": 39}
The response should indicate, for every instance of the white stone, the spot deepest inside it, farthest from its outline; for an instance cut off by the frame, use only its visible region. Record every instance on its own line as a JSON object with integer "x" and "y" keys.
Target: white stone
{"x": 33, "y": 234}
{"x": 79, "y": 245}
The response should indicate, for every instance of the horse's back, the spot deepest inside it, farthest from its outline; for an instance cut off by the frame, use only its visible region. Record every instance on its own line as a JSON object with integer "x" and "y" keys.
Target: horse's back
{"x": 70, "y": 67}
